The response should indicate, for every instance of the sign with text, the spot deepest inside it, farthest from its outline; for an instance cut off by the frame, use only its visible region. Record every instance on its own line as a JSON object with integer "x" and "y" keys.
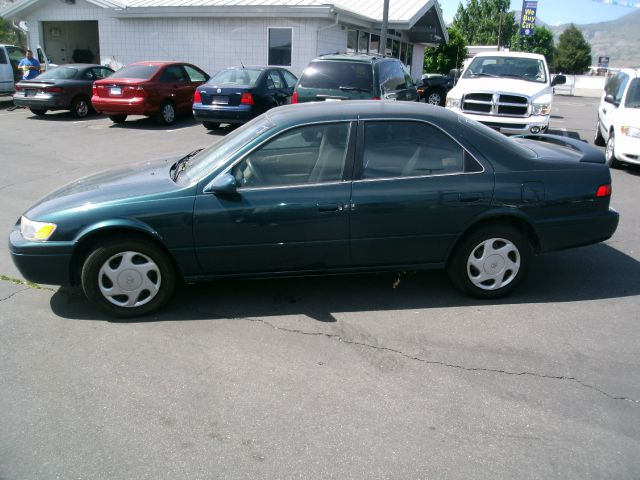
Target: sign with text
{"x": 528, "y": 18}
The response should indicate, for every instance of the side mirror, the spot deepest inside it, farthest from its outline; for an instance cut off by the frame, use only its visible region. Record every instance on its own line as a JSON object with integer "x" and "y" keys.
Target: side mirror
{"x": 559, "y": 80}
{"x": 610, "y": 99}
{"x": 223, "y": 185}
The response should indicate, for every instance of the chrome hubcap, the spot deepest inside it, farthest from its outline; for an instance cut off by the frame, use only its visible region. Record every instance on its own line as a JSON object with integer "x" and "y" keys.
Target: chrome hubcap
{"x": 434, "y": 99}
{"x": 611, "y": 143}
{"x": 493, "y": 264}
{"x": 82, "y": 109}
{"x": 129, "y": 279}
{"x": 168, "y": 114}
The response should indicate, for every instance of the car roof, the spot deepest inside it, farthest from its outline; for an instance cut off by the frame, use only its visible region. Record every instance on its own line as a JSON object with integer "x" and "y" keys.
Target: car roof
{"x": 80, "y": 65}
{"x": 158, "y": 63}
{"x": 537, "y": 56}
{"x": 353, "y": 109}
{"x": 351, "y": 57}
{"x": 633, "y": 72}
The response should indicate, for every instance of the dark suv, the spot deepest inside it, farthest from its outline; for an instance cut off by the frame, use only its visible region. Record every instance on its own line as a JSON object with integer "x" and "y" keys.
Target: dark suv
{"x": 354, "y": 77}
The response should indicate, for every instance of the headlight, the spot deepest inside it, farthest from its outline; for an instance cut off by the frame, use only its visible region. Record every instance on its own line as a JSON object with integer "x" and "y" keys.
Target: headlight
{"x": 631, "y": 131}
{"x": 453, "y": 102}
{"x": 36, "y": 231}
{"x": 541, "y": 109}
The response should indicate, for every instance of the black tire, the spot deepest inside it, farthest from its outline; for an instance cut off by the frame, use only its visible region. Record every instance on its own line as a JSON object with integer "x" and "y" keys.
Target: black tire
{"x": 435, "y": 96}
{"x": 513, "y": 252}
{"x": 599, "y": 139}
{"x": 167, "y": 113}
{"x": 80, "y": 107}
{"x": 38, "y": 111}
{"x": 610, "y": 151}
{"x": 211, "y": 125}
{"x": 117, "y": 118}
{"x": 141, "y": 289}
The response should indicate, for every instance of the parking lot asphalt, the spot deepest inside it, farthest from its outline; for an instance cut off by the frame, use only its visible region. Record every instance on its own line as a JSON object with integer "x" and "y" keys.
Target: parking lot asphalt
{"x": 366, "y": 376}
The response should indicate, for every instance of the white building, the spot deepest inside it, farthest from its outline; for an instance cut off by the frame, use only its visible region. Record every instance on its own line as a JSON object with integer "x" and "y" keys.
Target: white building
{"x": 220, "y": 33}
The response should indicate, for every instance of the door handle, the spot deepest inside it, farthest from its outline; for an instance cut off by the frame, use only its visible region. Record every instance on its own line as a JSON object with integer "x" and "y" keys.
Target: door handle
{"x": 329, "y": 207}
{"x": 604, "y": 110}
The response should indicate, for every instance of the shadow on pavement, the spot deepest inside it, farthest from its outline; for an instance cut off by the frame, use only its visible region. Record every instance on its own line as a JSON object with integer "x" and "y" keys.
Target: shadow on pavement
{"x": 148, "y": 123}
{"x": 589, "y": 273}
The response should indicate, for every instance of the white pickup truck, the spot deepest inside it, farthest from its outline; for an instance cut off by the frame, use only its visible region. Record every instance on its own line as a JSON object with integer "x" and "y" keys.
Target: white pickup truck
{"x": 509, "y": 91}
{"x": 10, "y": 56}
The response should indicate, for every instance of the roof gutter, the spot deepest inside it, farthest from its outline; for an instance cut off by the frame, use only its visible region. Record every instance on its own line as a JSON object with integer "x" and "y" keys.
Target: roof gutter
{"x": 276, "y": 11}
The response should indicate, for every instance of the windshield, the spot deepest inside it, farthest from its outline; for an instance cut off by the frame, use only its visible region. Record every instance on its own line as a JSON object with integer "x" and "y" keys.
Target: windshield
{"x": 633, "y": 94}
{"x": 214, "y": 156}
{"x": 235, "y": 76}
{"x": 529, "y": 69}
{"x": 59, "y": 73}
{"x": 334, "y": 75}
{"x": 136, "y": 71}
{"x": 15, "y": 54}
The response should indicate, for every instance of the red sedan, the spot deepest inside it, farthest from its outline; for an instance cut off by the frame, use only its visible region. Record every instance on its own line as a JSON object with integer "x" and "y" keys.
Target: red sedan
{"x": 155, "y": 89}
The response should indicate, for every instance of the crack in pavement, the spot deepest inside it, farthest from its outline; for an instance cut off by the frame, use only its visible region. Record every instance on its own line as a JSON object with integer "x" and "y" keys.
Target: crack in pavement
{"x": 432, "y": 362}
{"x": 14, "y": 293}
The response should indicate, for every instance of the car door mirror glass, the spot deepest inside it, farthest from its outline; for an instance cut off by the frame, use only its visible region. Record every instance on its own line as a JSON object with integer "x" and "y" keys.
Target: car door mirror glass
{"x": 559, "y": 80}
{"x": 223, "y": 184}
{"x": 610, "y": 99}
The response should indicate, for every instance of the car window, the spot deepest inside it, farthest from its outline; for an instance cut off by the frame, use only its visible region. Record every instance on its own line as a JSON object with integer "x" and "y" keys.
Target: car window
{"x": 235, "y": 76}
{"x": 407, "y": 77}
{"x": 173, "y": 73}
{"x": 58, "y": 73}
{"x": 136, "y": 71}
{"x": 101, "y": 72}
{"x": 633, "y": 94}
{"x": 391, "y": 76}
{"x": 333, "y": 75}
{"x": 274, "y": 80}
{"x": 624, "y": 79}
{"x": 3, "y": 57}
{"x": 194, "y": 74}
{"x": 529, "y": 69}
{"x": 408, "y": 149}
{"x": 15, "y": 54}
{"x": 89, "y": 74}
{"x": 289, "y": 78}
{"x": 304, "y": 155}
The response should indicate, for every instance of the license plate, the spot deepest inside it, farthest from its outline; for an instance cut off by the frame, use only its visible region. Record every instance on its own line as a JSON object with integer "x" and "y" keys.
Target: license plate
{"x": 220, "y": 100}
{"x": 30, "y": 93}
{"x": 115, "y": 91}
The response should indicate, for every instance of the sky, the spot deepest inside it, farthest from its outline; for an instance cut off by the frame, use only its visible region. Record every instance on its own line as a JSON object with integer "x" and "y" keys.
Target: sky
{"x": 556, "y": 12}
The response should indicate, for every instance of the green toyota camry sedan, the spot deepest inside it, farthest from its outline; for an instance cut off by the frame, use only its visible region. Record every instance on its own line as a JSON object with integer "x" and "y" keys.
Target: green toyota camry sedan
{"x": 324, "y": 187}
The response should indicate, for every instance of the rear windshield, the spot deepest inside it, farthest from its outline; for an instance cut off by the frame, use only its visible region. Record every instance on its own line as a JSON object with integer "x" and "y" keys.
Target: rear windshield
{"x": 136, "y": 71}
{"x": 496, "y": 137}
{"x": 59, "y": 73}
{"x": 236, "y": 76}
{"x": 333, "y": 75}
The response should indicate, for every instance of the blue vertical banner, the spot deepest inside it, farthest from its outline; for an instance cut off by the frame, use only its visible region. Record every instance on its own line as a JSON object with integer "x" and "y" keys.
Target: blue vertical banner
{"x": 528, "y": 18}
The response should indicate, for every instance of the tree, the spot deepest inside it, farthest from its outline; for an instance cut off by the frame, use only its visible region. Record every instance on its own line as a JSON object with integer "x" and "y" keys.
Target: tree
{"x": 11, "y": 34}
{"x": 573, "y": 54}
{"x": 481, "y": 22}
{"x": 446, "y": 56}
{"x": 540, "y": 42}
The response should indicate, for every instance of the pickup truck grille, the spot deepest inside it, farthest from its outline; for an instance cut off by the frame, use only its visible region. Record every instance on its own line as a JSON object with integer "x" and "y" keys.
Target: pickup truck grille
{"x": 496, "y": 104}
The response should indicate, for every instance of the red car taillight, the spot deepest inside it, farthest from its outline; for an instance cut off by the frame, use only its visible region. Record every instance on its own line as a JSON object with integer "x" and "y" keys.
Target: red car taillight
{"x": 375, "y": 98}
{"x": 19, "y": 88}
{"x": 294, "y": 98}
{"x": 603, "y": 191}
{"x": 247, "y": 99}
{"x": 197, "y": 98}
{"x": 140, "y": 92}
{"x": 53, "y": 89}
{"x": 94, "y": 90}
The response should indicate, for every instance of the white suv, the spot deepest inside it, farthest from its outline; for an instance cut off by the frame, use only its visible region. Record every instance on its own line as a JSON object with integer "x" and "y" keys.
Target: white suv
{"x": 618, "y": 124}
{"x": 509, "y": 91}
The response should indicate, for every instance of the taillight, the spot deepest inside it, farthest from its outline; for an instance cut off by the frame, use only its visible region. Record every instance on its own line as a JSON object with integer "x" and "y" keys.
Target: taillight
{"x": 19, "y": 88}
{"x": 94, "y": 90}
{"x": 197, "y": 98}
{"x": 294, "y": 98}
{"x": 247, "y": 99}
{"x": 53, "y": 89}
{"x": 604, "y": 191}
{"x": 140, "y": 92}
{"x": 375, "y": 98}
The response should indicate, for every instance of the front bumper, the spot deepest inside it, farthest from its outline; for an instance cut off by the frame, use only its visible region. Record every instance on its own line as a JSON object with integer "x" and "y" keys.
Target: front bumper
{"x": 42, "y": 262}
{"x": 510, "y": 125}
{"x": 223, "y": 113}
{"x": 627, "y": 149}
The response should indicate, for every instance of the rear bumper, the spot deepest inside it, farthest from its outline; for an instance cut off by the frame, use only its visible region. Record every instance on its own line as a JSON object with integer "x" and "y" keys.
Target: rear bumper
{"x": 223, "y": 113}
{"x": 124, "y": 106}
{"x": 40, "y": 100}
{"x": 41, "y": 262}
{"x": 575, "y": 232}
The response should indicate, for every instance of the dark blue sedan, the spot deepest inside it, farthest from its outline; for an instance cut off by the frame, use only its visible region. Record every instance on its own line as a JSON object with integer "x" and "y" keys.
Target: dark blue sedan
{"x": 317, "y": 188}
{"x": 236, "y": 95}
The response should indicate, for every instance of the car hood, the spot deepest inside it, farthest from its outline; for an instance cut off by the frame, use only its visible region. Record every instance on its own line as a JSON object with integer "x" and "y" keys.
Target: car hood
{"x": 135, "y": 181}
{"x": 503, "y": 85}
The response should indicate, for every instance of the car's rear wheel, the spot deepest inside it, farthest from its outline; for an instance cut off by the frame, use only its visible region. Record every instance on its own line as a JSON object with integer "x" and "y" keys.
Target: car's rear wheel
{"x": 80, "y": 107}
{"x": 117, "y": 118}
{"x": 211, "y": 125}
{"x": 38, "y": 111}
{"x": 610, "y": 151}
{"x": 435, "y": 97}
{"x": 490, "y": 261}
{"x": 167, "y": 113}
{"x": 128, "y": 278}
{"x": 599, "y": 139}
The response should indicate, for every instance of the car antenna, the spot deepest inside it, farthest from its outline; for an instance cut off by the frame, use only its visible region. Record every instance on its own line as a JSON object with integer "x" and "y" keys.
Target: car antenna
{"x": 242, "y": 64}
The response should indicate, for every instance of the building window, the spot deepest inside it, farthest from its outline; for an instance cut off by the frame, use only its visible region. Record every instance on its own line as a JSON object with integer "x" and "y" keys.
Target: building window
{"x": 374, "y": 45}
{"x": 403, "y": 52}
{"x": 409, "y": 54}
{"x": 363, "y": 42}
{"x": 280, "y": 40}
{"x": 352, "y": 40}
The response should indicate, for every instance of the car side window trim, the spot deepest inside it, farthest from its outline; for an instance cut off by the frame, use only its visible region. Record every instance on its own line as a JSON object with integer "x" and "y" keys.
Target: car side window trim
{"x": 359, "y": 161}
{"x": 348, "y": 168}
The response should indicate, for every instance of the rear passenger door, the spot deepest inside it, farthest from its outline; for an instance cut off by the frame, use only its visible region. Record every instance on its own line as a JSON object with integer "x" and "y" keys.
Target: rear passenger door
{"x": 415, "y": 189}
{"x": 276, "y": 87}
{"x": 176, "y": 85}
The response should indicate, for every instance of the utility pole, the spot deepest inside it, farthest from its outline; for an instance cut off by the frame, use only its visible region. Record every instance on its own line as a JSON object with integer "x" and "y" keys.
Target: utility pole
{"x": 385, "y": 23}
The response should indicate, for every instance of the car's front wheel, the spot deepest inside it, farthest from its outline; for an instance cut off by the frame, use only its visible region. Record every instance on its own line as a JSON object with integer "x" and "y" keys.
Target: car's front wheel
{"x": 610, "y": 151}
{"x": 128, "y": 277}
{"x": 599, "y": 139}
{"x": 435, "y": 97}
{"x": 490, "y": 262}
{"x": 117, "y": 118}
{"x": 38, "y": 111}
{"x": 167, "y": 113}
